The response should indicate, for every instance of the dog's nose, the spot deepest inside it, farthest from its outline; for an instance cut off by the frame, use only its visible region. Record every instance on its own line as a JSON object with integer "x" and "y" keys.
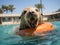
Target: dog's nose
{"x": 31, "y": 12}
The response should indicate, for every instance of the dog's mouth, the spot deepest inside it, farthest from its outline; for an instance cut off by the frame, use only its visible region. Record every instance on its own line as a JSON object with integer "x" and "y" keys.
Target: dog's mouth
{"x": 32, "y": 20}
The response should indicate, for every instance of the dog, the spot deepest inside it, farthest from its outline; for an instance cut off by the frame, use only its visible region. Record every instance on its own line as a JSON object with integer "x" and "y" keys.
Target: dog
{"x": 30, "y": 18}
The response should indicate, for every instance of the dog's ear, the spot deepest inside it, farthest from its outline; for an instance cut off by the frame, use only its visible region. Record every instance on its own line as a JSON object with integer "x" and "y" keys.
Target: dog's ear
{"x": 36, "y": 10}
{"x": 23, "y": 13}
{"x": 40, "y": 20}
{"x": 41, "y": 14}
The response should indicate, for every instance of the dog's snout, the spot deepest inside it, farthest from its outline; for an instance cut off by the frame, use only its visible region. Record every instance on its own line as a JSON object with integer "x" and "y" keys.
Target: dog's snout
{"x": 31, "y": 12}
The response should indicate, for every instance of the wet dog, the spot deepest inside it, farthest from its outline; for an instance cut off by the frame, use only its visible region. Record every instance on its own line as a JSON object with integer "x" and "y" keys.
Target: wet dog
{"x": 30, "y": 18}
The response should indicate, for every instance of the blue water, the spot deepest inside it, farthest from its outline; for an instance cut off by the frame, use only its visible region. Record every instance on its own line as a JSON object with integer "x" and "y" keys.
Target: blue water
{"x": 8, "y": 38}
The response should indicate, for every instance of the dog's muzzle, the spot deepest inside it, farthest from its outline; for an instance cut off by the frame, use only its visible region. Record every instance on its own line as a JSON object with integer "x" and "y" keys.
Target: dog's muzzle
{"x": 33, "y": 19}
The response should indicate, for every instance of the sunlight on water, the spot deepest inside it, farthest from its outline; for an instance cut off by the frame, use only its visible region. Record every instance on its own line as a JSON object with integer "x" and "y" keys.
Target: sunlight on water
{"x": 8, "y": 37}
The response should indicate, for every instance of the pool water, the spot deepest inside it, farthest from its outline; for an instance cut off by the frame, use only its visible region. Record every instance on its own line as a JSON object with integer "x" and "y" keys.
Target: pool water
{"x": 7, "y": 36}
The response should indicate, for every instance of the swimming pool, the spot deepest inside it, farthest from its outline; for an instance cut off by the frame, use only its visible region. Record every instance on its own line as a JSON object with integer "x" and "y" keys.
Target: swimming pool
{"x": 7, "y": 38}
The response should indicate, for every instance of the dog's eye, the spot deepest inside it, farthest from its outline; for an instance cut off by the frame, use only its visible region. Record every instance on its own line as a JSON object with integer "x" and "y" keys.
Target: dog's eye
{"x": 36, "y": 10}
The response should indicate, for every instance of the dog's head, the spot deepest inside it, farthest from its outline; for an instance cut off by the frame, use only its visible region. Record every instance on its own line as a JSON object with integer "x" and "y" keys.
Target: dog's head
{"x": 31, "y": 16}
